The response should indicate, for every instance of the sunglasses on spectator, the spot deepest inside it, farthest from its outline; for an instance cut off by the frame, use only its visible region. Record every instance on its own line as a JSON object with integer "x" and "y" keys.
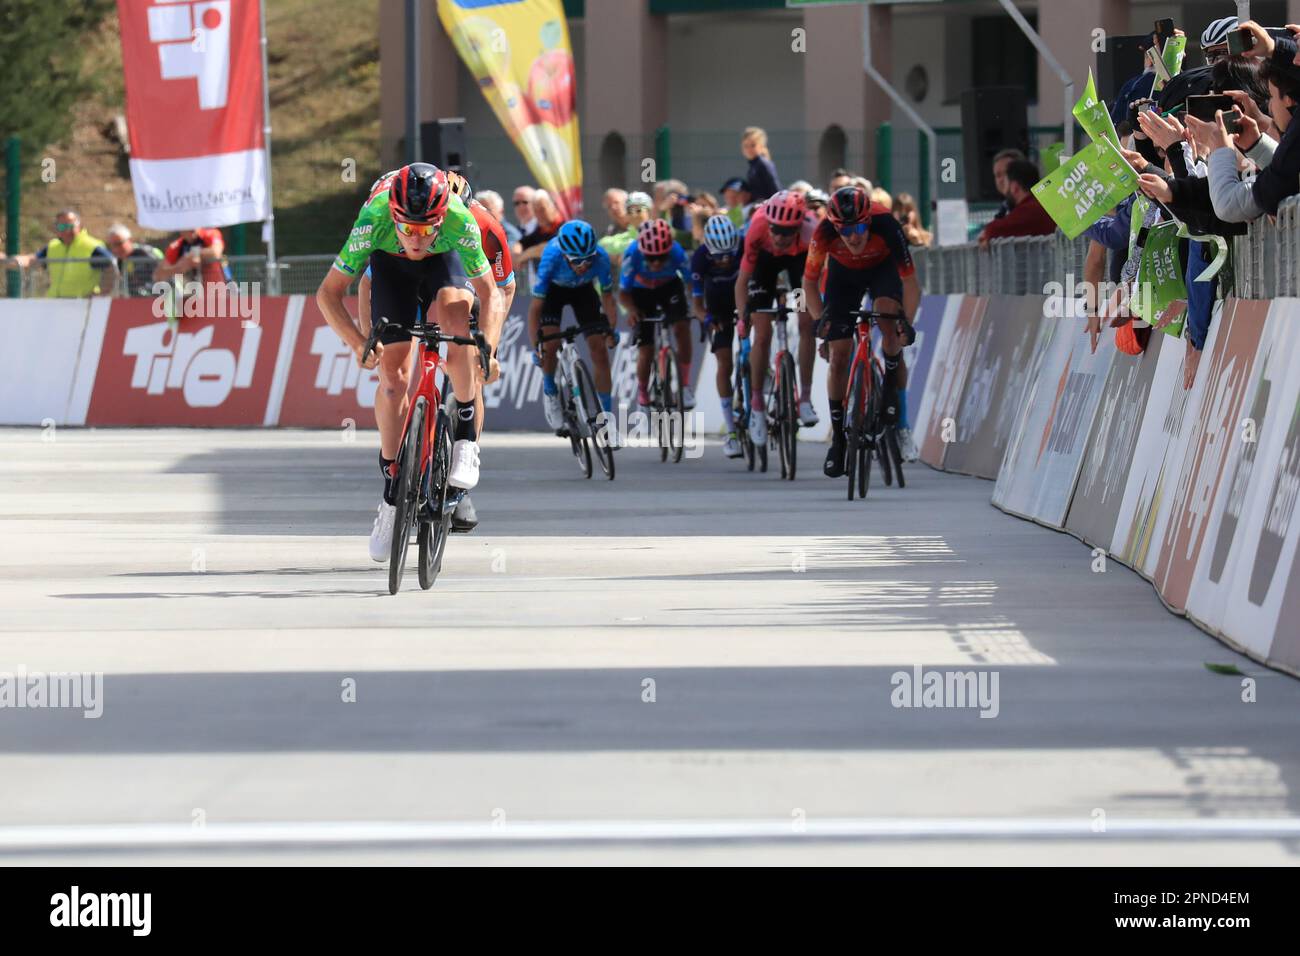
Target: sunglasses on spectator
{"x": 856, "y": 229}
{"x": 64, "y": 226}
{"x": 785, "y": 232}
{"x": 523, "y": 202}
{"x": 418, "y": 230}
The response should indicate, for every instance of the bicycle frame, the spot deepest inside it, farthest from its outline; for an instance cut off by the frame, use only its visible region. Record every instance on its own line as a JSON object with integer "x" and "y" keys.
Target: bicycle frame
{"x": 430, "y": 362}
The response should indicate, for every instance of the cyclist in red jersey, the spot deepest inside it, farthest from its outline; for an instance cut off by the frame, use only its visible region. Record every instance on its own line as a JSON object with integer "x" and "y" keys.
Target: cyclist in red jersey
{"x": 862, "y": 249}
{"x": 776, "y": 240}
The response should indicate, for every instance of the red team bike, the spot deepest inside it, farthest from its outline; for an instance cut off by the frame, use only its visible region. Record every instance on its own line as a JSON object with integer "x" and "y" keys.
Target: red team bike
{"x": 868, "y": 432}
{"x": 424, "y": 459}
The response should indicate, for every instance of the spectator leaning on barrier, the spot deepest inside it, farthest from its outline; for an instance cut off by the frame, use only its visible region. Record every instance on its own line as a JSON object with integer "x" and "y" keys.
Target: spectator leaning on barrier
{"x": 761, "y": 178}
{"x": 523, "y": 209}
{"x": 198, "y": 251}
{"x": 1234, "y": 200}
{"x": 615, "y": 203}
{"x": 1001, "y": 162}
{"x": 1027, "y": 216}
{"x": 78, "y": 263}
{"x": 136, "y": 261}
{"x": 494, "y": 204}
{"x": 906, "y": 213}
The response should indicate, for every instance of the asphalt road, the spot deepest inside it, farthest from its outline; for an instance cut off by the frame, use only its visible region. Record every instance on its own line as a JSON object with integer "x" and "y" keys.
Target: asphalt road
{"x": 688, "y": 664}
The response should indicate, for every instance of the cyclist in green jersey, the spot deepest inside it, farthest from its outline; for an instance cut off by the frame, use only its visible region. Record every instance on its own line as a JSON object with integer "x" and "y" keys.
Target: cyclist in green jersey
{"x": 404, "y": 232}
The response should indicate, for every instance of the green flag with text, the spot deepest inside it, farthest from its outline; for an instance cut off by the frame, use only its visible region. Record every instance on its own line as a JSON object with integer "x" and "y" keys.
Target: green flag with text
{"x": 1093, "y": 115}
{"x": 1086, "y": 187}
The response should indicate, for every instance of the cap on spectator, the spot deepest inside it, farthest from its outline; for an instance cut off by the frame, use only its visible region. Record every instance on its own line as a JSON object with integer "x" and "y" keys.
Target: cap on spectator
{"x": 735, "y": 182}
{"x": 637, "y": 200}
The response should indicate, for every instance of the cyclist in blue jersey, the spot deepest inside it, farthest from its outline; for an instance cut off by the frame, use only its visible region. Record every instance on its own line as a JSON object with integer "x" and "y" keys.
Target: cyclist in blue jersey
{"x": 655, "y": 271}
{"x": 572, "y": 266}
{"x": 713, "y": 291}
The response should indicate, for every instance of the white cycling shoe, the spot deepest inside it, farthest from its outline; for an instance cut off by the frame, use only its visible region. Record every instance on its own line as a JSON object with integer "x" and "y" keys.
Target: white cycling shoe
{"x": 807, "y": 415}
{"x": 906, "y": 445}
{"x": 731, "y": 447}
{"x": 381, "y": 535}
{"x": 464, "y": 464}
{"x": 758, "y": 427}
{"x": 554, "y": 412}
{"x": 688, "y": 398}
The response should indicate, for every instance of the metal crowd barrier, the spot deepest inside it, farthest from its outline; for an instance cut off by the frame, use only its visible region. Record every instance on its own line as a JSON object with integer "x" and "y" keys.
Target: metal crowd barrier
{"x": 1264, "y": 265}
{"x": 1021, "y": 266}
{"x": 296, "y": 274}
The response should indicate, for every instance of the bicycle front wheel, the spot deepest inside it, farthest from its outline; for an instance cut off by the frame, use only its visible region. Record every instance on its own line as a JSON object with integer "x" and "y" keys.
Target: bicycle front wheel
{"x": 675, "y": 413}
{"x": 789, "y": 411}
{"x": 409, "y": 460}
{"x": 896, "y": 454}
{"x": 436, "y": 523}
{"x": 587, "y": 404}
{"x": 855, "y": 409}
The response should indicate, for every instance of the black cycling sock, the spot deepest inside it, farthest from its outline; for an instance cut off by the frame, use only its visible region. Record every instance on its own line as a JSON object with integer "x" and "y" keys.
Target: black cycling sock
{"x": 837, "y": 419}
{"x": 390, "y": 483}
{"x": 892, "y": 365}
{"x": 466, "y": 429}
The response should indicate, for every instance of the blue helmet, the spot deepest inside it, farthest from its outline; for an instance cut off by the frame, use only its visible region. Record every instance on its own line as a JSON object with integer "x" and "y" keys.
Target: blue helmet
{"x": 720, "y": 235}
{"x": 576, "y": 239}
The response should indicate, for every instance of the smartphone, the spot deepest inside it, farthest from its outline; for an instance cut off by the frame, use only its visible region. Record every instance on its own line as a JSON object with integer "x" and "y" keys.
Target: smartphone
{"x": 1240, "y": 41}
{"x": 1204, "y": 107}
{"x": 1232, "y": 121}
{"x": 1164, "y": 29}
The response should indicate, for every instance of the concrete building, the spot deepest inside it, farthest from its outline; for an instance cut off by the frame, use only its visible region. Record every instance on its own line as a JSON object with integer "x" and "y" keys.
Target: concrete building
{"x": 705, "y": 69}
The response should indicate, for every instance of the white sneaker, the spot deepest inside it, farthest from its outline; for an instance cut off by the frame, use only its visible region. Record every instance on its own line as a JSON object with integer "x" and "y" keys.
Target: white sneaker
{"x": 688, "y": 398}
{"x": 906, "y": 446}
{"x": 381, "y": 535}
{"x": 464, "y": 464}
{"x": 758, "y": 426}
{"x": 807, "y": 414}
{"x": 554, "y": 411}
{"x": 731, "y": 447}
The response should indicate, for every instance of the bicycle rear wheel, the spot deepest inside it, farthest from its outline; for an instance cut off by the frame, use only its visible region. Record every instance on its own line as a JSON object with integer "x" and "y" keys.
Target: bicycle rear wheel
{"x": 789, "y": 406}
{"x": 408, "y": 492}
{"x": 436, "y": 524}
{"x": 587, "y": 404}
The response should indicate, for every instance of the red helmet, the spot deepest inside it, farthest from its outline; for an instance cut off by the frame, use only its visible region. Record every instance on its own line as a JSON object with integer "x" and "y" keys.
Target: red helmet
{"x": 850, "y": 205}
{"x": 655, "y": 237}
{"x": 785, "y": 208}
{"x": 419, "y": 193}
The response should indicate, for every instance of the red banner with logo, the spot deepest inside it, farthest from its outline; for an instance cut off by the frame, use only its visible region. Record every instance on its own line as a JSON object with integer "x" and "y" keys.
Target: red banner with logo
{"x": 194, "y": 99}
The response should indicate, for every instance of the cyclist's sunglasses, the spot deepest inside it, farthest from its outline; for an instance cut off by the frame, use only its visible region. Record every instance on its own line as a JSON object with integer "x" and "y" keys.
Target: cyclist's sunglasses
{"x": 654, "y": 261}
{"x": 785, "y": 232}
{"x": 578, "y": 262}
{"x": 856, "y": 229}
{"x": 419, "y": 229}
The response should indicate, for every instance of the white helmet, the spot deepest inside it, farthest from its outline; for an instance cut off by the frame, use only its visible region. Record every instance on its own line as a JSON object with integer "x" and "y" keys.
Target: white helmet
{"x": 1216, "y": 34}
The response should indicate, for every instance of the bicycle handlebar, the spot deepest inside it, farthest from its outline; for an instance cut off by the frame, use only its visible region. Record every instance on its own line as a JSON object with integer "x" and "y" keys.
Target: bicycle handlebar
{"x": 573, "y": 331}
{"x": 867, "y": 316}
{"x": 433, "y": 336}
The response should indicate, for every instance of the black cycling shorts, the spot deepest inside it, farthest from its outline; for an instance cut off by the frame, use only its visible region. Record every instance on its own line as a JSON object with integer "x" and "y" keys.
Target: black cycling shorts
{"x": 402, "y": 290}
{"x": 845, "y": 290}
{"x": 721, "y": 308}
{"x": 583, "y": 299}
{"x": 767, "y": 272}
{"x": 669, "y": 297}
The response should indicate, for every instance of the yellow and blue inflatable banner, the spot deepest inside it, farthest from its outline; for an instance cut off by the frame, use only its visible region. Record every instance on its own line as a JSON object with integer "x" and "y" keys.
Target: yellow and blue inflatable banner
{"x": 519, "y": 52}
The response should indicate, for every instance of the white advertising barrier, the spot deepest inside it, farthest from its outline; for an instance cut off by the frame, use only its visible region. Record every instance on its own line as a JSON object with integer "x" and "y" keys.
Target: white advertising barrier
{"x": 1042, "y": 462}
{"x": 1246, "y": 566}
{"x": 48, "y": 341}
{"x": 947, "y": 380}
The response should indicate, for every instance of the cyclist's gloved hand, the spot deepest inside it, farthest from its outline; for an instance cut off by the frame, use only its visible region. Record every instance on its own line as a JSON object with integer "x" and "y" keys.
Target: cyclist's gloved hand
{"x": 909, "y": 331}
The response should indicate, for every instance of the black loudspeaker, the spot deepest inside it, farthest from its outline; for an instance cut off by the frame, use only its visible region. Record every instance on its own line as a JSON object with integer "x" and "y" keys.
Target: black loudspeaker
{"x": 1118, "y": 63}
{"x": 442, "y": 143}
{"x": 993, "y": 118}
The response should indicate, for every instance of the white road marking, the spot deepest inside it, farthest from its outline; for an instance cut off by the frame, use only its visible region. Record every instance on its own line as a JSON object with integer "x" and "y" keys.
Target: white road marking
{"x": 135, "y": 836}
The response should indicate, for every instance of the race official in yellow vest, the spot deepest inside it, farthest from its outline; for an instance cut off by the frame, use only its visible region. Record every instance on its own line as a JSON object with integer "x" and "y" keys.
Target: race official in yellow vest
{"x": 71, "y": 258}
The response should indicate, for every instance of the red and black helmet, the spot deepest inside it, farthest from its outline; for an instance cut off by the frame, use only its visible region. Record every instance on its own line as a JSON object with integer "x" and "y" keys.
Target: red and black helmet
{"x": 419, "y": 193}
{"x": 785, "y": 208}
{"x": 848, "y": 206}
{"x": 655, "y": 238}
